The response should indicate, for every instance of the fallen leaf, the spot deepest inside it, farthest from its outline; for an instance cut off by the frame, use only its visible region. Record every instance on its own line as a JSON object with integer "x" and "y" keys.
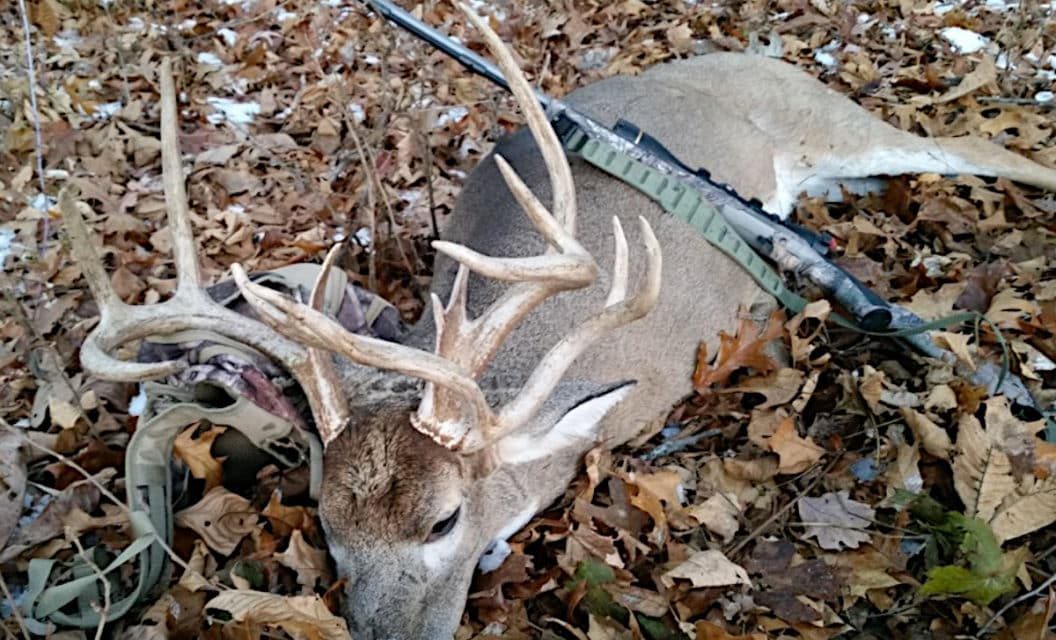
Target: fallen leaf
{"x": 196, "y": 454}
{"x": 744, "y": 350}
{"x": 718, "y": 514}
{"x": 983, "y": 478}
{"x": 836, "y": 520}
{"x": 930, "y": 436}
{"x": 709, "y": 631}
{"x": 709, "y": 568}
{"x": 796, "y": 454}
{"x": 13, "y": 477}
{"x": 303, "y": 617}
{"x": 310, "y": 563}
{"x": 221, "y": 518}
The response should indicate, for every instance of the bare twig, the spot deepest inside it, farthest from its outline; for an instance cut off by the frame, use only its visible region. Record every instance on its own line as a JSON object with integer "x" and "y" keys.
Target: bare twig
{"x": 1033, "y": 593}
{"x": 16, "y": 611}
{"x": 758, "y": 531}
{"x": 109, "y": 495}
{"x": 38, "y": 139}
{"x": 104, "y": 611}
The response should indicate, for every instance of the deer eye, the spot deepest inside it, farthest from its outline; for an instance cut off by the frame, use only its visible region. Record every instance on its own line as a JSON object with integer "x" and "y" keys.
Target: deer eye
{"x": 444, "y": 527}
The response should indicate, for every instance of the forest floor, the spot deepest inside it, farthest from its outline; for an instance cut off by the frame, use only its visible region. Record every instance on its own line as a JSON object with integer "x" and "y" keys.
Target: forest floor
{"x": 861, "y": 491}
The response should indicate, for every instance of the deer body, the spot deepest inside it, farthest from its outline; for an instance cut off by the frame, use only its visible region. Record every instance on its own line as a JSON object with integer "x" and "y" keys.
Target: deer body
{"x": 719, "y": 111}
{"x": 542, "y": 352}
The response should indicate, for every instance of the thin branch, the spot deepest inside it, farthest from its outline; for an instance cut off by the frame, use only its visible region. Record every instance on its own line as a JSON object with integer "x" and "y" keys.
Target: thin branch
{"x": 104, "y": 611}
{"x": 109, "y": 495}
{"x": 17, "y": 611}
{"x": 38, "y": 139}
{"x": 758, "y": 531}
{"x": 1033, "y": 593}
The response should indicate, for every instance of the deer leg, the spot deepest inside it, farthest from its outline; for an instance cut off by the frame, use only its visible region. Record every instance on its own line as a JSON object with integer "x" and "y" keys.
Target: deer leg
{"x": 900, "y": 155}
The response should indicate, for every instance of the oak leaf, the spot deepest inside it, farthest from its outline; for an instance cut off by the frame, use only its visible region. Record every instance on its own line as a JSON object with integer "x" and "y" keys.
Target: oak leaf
{"x": 745, "y": 350}
{"x": 836, "y": 520}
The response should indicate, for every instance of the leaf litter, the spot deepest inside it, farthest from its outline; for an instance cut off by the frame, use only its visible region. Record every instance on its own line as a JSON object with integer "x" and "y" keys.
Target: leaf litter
{"x": 848, "y": 488}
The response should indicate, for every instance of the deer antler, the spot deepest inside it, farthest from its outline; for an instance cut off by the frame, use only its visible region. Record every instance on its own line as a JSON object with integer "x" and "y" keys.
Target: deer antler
{"x": 190, "y": 308}
{"x": 453, "y": 410}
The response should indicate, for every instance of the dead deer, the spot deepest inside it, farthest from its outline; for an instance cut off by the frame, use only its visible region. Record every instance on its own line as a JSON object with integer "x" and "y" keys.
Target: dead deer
{"x": 536, "y": 356}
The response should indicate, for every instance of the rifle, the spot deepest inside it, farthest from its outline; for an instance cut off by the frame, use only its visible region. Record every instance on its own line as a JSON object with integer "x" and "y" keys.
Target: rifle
{"x": 790, "y": 247}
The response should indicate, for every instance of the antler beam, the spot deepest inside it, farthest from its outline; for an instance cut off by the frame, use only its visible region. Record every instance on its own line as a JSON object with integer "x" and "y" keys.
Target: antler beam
{"x": 189, "y": 308}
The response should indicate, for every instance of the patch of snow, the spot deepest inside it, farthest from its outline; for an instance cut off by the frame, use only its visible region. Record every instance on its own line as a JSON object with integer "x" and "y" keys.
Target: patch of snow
{"x": 358, "y": 113}
{"x": 228, "y": 36}
{"x": 209, "y": 59}
{"x": 1044, "y": 97}
{"x": 106, "y": 110}
{"x": 67, "y": 39}
{"x": 7, "y": 240}
{"x": 890, "y": 32}
{"x": 371, "y": 59}
{"x": 56, "y": 174}
{"x": 283, "y": 15}
{"x": 451, "y": 116}
{"x": 42, "y": 202}
{"x": 105, "y": 3}
{"x": 95, "y": 85}
{"x": 964, "y": 40}
{"x": 135, "y": 23}
{"x": 138, "y": 404}
{"x": 187, "y": 24}
{"x": 1001, "y": 5}
{"x": 239, "y": 113}
{"x": 494, "y": 556}
{"x": 339, "y": 236}
{"x": 942, "y": 8}
{"x": 333, "y": 4}
{"x": 824, "y": 57}
{"x": 363, "y": 236}
{"x": 1002, "y": 62}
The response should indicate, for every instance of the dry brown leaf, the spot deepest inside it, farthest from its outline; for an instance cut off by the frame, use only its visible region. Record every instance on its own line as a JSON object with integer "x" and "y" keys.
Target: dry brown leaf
{"x": 796, "y": 454}
{"x": 710, "y": 568}
{"x": 310, "y": 563}
{"x": 836, "y": 520}
{"x": 194, "y": 577}
{"x": 958, "y": 344}
{"x": 801, "y": 347}
{"x": 196, "y": 454}
{"x": 303, "y": 617}
{"x": 745, "y": 350}
{"x": 718, "y": 514}
{"x": 709, "y": 631}
{"x": 778, "y": 388}
{"x": 930, "y": 436}
{"x": 284, "y": 520}
{"x": 221, "y": 518}
{"x": 13, "y": 476}
{"x": 982, "y": 476}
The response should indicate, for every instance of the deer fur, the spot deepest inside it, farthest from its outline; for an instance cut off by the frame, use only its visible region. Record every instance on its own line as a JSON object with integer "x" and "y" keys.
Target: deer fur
{"x": 763, "y": 126}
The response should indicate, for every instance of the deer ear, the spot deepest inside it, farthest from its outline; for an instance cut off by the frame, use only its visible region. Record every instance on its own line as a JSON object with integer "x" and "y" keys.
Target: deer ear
{"x": 576, "y": 428}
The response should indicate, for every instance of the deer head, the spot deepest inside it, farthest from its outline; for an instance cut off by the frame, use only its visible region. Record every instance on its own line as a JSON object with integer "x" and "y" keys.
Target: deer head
{"x": 416, "y": 487}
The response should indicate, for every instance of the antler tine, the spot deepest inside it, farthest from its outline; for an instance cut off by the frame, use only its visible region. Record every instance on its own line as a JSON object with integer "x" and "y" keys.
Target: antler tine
{"x": 189, "y": 309}
{"x": 329, "y": 404}
{"x": 564, "y": 192}
{"x": 309, "y": 327}
{"x": 184, "y": 253}
{"x": 617, "y": 313}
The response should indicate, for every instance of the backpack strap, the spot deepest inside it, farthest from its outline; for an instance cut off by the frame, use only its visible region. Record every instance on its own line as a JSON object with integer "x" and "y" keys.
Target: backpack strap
{"x": 69, "y": 593}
